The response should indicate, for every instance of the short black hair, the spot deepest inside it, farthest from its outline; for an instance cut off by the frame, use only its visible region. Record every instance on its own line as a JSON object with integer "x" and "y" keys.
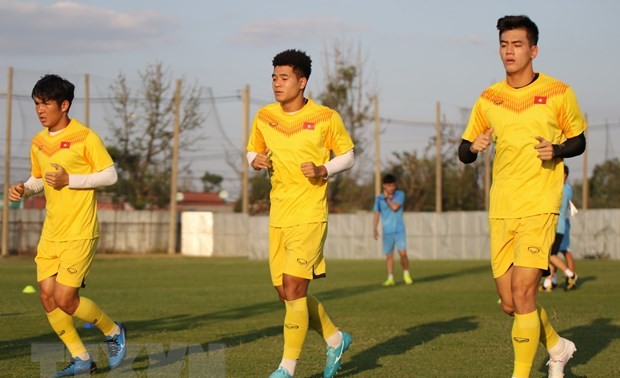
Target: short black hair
{"x": 519, "y": 22}
{"x": 389, "y": 179}
{"x": 53, "y": 87}
{"x": 299, "y": 60}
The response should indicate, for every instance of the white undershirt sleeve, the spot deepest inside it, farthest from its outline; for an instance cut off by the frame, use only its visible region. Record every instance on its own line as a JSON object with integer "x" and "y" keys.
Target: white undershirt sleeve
{"x": 251, "y": 155}
{"x": 105, "y": 177}
{"x": 340, "y": 163}
{"x": 33, "y": 186}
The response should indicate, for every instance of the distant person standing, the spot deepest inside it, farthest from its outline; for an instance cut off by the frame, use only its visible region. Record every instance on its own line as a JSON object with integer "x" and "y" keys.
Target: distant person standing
{"x": 69, "y": 161}
{"x": 565, "y": 246}
{"x": 560, "y": 236}
{"x": 389, "y": 208}
{"x": 535, "y": 123}
{"x": 294, "y": 140}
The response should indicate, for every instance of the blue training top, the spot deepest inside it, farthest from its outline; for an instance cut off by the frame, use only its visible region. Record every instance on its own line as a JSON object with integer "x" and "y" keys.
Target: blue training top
{"x": 392, "y": 221}
{"x": 567, "y": 195}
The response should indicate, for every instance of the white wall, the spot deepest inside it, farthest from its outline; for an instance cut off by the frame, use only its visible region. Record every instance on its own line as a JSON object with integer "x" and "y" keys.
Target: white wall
{"x": 430, "y": 236}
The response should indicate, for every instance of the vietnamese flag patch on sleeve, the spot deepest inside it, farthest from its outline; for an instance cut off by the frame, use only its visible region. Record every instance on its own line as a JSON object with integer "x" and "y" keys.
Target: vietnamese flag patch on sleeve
{"x": 308, "y": 125}
{"x": 540, "y": 100}
{"x": 65, "y": 144}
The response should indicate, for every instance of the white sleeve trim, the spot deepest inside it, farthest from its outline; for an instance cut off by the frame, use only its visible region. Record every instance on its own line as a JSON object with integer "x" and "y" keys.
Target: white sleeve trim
{"x": 340, "y": 163}
{"x": 105, "y": 177}
{"x": 33, "y": 186}
{"x": 251, "y": 155}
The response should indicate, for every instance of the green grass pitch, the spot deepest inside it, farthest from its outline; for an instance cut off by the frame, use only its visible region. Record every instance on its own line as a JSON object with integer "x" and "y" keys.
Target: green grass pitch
{"x": 447, "y": 324}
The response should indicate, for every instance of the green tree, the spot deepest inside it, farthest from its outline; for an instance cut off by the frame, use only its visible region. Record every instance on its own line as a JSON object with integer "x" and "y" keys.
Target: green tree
{"x": 346, "y": 92}
{"x": 604, "y": 184}
{"x": 259, "y": 188}
{"x": 142, "y": 135}
{"x": 211, "y": 182}
{"x": 416, "y": 179}
{"x": 462, "y": 185}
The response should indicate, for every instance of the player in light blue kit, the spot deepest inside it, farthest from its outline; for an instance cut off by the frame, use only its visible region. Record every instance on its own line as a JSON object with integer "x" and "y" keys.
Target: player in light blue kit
{"x": 389, "y": 207}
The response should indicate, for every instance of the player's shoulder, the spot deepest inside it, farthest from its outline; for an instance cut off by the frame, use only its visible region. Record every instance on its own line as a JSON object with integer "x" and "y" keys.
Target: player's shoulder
{"x": 315, "y": 108}
{"x": 79, "y": 131}
{"x": 272, "y": 108}
{"x": 270, "y": 114}
{"x": 41, "y": 134}
{"x": 315, "y": 105}
{"x": 552, "y": 83}
{"x": 493, "y": 89}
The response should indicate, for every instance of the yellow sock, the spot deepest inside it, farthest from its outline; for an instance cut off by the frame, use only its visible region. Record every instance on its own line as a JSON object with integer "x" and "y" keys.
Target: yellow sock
{"x": 548, "y": 336}
{"x": 319, "y": 320}
{"x": 62, "y": 323}
{"x": 525, "y": 337}
{"x": 88, "y": 311}
{"x": 295, "y": 327}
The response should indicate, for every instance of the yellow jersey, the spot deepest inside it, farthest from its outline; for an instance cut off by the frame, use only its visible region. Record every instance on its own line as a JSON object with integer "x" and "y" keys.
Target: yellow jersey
{"x": 523, "y": 185}
{"x": 309, "y": 135}
{"x": 71, "y": 214}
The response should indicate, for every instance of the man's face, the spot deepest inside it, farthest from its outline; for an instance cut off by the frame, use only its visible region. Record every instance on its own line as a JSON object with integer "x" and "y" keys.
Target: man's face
{"x": 50, "y": 113}
{"x": 389, "y": 188}
{"x": 285, "y": 84}
{"x": 515, "y": 50}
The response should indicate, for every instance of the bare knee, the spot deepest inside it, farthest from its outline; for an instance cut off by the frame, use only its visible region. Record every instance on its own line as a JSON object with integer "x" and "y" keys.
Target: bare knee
{"x": 280, "y": 291}
{"x": 524, "y": 299}
{"x": 47, "y": 299}
{"x": 67, "y": 303}
{"x": 294, "y": 287}
{"x": 508, "y": 308}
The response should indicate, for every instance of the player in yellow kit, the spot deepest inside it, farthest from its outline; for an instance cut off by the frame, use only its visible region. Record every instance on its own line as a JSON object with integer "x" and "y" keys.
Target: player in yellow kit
{"x": 69, "y": 161}
{"x": 535, "y": 123}
{"x": 294, "y": 139}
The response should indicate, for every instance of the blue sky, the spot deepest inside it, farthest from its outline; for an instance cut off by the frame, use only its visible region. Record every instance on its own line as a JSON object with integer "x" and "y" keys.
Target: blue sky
{"x": 415, "y": 52}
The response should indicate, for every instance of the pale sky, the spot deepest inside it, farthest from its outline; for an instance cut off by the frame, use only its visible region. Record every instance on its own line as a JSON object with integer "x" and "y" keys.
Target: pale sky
{"x": 416, "y": 53}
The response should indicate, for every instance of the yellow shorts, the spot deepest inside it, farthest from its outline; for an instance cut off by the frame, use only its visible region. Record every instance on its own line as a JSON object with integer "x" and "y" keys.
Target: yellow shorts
{"x": 69, "y": 260}
{"x": 297, "y": 251}
{"x": 522, "y": 242}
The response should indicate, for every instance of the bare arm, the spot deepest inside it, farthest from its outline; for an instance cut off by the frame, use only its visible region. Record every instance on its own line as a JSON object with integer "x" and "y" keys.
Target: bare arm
{"x": 394, "y": 206}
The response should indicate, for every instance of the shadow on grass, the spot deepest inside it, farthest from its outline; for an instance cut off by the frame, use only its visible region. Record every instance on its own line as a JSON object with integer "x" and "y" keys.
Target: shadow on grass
{"x": 181, "y": 322}
{"x": 158, "y": 360}
{"x": 415, "y": 336}
{"x": 438, "y": 277}
{"x": 584, "y": 280}
{"x": 185, "y": 321}
{"x": 15, "y": 348}
{"x": 12, "y": 314}
{"x": 590, "y": 340}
